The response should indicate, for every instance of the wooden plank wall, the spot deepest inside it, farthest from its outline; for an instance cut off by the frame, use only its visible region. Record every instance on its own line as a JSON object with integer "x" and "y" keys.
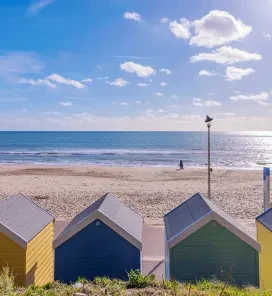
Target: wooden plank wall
{"x": 214, "y": 251}
{"x": 264, "y": 237}
{"x": 40, "y": 257}
{"x": 13, "y": 256}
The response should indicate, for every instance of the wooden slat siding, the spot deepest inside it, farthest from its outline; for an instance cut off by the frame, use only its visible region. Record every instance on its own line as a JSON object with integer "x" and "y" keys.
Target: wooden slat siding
{"x": 47, "y": 273}
{"x": 210, "y": 250}
{"x": 39, "y": 257}
{"x": 264, "y": 237}
{"x": 14, "y": 256}
{"x": 96, "y": 250}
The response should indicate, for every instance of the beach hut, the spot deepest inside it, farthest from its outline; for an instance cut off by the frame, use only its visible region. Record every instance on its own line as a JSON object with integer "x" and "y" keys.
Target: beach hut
{"x": 26, "y": 241}
{"x": 264, "y": 237}
{"x": 202, "y": 241}
{"x": 103, "y": 240}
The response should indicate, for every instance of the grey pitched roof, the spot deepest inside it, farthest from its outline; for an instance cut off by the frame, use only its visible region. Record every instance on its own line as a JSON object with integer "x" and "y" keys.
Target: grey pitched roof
{"x": 21, "y": 219}
{"x": 194, "y": 213}
{"x": 112, "y": 212}
{"x": 266, "y": 219}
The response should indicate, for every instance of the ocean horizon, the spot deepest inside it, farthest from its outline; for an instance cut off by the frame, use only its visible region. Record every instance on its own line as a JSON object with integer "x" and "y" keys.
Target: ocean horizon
{"x": 237, "y": 150}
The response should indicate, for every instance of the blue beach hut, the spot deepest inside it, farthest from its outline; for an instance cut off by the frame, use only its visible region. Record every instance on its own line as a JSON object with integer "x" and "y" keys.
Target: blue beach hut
{"x": 103, "y": 240}
{"x": 203, "y": 241}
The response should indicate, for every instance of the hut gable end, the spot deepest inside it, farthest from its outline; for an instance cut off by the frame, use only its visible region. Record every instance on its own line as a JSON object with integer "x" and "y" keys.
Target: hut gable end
{"x": 196, "y": 212}
{"x": 266, "y": 219}
{"x": 113, "y": 213}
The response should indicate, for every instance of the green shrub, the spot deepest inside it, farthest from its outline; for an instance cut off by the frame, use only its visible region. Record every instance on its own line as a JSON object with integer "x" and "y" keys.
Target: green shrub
{"x": 7, "y": 286}
{"x": 82, "y": 280}
{"x": 138, "y": 280}
{"x": 102, "y": 281}
{"x": 47, "y": 286}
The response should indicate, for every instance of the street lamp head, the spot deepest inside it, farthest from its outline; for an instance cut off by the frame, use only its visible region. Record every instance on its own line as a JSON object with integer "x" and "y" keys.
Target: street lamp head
{"x": 208, "y": 119}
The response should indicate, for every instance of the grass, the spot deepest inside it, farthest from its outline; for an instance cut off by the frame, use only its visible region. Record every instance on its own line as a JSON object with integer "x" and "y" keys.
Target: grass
{"x": 137, "y": 285}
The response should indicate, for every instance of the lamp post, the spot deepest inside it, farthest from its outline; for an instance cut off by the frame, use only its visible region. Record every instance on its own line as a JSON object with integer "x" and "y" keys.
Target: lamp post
{"x": 208, "y": 121}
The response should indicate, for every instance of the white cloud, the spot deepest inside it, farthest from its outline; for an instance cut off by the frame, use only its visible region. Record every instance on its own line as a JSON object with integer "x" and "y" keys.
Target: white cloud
{"x": 37, "y": 6}
{"x": 226, "y": 55}
{"x": 263, "y": 103}
{"x": 62, "y": 80}
{"x": 159, "y": 94}
{"x": 225, "y": 114}
{"x": 233, "y": 73}
{"x": 161, "y": 111}
{"x": 147, "y": 102}
{"x": 142, "y": 84}
{"x": 192, "y": 117}
{"x": 163, "y": 84}
{"x": 237, "y": 92}
{"x": 124, "y": 104}
{"x": 132, "y": 16}
{"x": 18, "y": 63}
{"x": 218, "y": 28}
{"x": 119, "y": 82}
{"x": 37, "y": 82}
{"x": 197, "y": 100}
{"x": 139, "y": 70}
{"x": 174, "y": 97}
{"x": 180, "y": 29}
{"x": 138, "y": 102}
{"x": 158, "y": 111}
{"x": 51, "y": 113}
{"x": 160, "y": 114}
{"x": 66, "y": 104}
{"x": 156, "y": 122}
{"x": 166, "y": 71}
{"x": 267, "y": 36}
{"x": 13, "y": 100}
{"x": 256, "y": 98}
{"x": 164, "y": 20}
{"x": 208, "y": 103}
{"x": 206, "y": 73}
{"x": 89, "y": 80}
{"x": 102, "y": 78}
{"x": 24, "y": 110}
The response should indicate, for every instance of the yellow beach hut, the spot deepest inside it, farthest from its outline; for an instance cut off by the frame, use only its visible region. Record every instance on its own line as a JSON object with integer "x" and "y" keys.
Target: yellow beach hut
{"x": 264, "y": 237}
{"x": 26, "y": 237}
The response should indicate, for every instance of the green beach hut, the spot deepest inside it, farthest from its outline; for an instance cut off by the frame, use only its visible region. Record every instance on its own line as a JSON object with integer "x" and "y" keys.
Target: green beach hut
{"x": 203, "y": 242}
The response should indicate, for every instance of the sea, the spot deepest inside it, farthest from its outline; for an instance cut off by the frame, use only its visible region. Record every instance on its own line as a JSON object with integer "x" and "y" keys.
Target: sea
{"x": 240, "y": 150}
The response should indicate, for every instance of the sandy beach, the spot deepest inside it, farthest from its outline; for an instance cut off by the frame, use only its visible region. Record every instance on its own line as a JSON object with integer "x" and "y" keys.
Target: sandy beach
{"x": 65, "y": 191}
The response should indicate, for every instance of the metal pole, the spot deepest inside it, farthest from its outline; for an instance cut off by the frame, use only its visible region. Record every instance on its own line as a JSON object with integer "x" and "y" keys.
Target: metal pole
{"x": 209, "y": 162}
{"x": 266, "y": 174}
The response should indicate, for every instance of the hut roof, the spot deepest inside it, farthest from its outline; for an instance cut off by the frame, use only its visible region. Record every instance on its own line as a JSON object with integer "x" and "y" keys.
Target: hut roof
{"x": 196, "y": 212}
{"x": 113, "y": 213}
{"x": 21, "y": 219}
{"x": 266, "y": 219}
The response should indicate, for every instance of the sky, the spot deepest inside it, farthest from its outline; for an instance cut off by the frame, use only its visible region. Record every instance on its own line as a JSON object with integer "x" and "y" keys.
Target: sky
{"x": 135, "y": 65}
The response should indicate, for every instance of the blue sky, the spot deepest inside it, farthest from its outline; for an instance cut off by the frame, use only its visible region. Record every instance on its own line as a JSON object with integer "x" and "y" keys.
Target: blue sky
{"x": 135, "y": 65}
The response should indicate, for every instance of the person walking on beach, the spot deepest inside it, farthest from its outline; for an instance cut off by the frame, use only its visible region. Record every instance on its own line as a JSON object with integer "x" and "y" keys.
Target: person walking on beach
{"x": 181, "y": 165}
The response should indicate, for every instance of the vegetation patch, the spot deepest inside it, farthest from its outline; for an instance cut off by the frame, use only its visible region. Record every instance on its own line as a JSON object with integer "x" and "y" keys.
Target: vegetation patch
{"x": 137, "y": 285}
